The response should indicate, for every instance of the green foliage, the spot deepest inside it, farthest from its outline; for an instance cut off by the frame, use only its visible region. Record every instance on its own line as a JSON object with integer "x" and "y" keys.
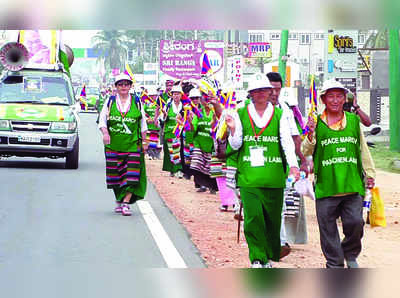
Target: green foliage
{"x": 383, "y": 157}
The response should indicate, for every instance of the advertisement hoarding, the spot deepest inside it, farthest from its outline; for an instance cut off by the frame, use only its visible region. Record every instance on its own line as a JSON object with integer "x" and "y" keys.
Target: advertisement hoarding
{"x": 182, "y": 59}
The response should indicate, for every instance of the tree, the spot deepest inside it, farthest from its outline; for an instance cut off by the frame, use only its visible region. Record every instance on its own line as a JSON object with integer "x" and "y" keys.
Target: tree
{"x": 112, "y": 47}
{"x": 378, "y": 39}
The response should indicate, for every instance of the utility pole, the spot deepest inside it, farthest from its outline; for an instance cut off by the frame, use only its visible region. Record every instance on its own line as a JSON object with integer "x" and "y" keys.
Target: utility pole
{"x": 283, "y": 55}
{"x": 394, "y": 89}
{"x": 226, "y": 33}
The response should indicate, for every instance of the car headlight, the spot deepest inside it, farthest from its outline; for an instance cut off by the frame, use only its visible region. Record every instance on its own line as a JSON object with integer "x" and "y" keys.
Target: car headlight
{"x": 63, "y": 126}
{"x": 5, "y": 125}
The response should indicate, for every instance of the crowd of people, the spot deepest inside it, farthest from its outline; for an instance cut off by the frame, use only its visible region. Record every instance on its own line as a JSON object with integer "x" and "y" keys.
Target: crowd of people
{"x": 244, "y": 150}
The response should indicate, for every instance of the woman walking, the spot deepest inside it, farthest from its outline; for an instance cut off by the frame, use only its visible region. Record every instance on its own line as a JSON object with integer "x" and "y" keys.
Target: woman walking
{"x": 172, "y": 144}
{"x": 123, "y": 125}
{"x": 203, "y": 146}
{"x": 153, "y": 132}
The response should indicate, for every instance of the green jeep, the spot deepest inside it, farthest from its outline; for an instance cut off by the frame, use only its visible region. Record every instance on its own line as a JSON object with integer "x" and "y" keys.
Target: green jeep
{"x": 38, "y": 115}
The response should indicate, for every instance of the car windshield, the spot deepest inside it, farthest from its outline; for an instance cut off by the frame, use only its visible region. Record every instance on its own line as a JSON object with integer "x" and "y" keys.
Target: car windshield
{"x": 35, "y": 89}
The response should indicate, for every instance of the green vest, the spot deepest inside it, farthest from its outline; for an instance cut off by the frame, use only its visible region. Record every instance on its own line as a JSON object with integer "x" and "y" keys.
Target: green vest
{"x": 202, "y": 138}
{"x": 337, "y": 159}
{"x": 272, "y": 173}
{"x": 170, "y": 123}
{"x": 125, "y": 132}
{"x": 150, "y": 110}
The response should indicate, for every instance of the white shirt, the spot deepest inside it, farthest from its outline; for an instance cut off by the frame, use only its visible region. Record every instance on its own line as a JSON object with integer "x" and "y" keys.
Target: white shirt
{"x": 236, "y": 140}
{"x": 123, "y": 108}
{"x": 175, "y": 108}
{"x": 288, "y": 114}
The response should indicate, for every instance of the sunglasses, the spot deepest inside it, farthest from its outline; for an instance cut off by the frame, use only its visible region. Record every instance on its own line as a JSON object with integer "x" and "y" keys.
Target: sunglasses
{"x": 123, "y": 84}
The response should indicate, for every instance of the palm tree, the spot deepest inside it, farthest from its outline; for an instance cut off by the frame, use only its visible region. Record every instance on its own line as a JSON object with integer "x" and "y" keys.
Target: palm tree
{"x": 378, "y": 39}
{"x": 112, "y": 47}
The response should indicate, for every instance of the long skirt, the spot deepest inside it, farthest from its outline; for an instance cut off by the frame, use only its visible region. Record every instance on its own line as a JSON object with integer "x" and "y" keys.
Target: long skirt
{"x": 126, "y": 172}
{"x": 153, "y": 139}
{"x": 172, "y": 159}
{"x": 200, "y": 165}
{"x": 186, "y": 157}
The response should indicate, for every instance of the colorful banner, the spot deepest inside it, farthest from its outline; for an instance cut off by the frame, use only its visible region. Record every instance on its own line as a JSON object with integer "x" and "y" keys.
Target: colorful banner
{"x": 260, "y": 49}
{"x": 182, "y": 59}
{"x": 41, "y": 45}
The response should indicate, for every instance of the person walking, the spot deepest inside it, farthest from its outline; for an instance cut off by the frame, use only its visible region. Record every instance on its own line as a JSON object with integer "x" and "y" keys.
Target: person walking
{"x": 123, "y": 126}
{"x": 262, "y": 138}
{"x": 153, "y": 132}
{"x": 343, "y": 168}
{"x": 293, "y": 228}
{"x": 172, "y": 158}
{"x": 203, "y": 145}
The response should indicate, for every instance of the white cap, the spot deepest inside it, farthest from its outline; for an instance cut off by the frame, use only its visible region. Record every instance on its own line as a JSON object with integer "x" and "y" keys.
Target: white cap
{"x": 287, "y": 96}
{"x": 176, "y": 88}
{"x": 194, "y": 93}
{"x": 122, "y": 77}
{"x": 259, "y": 81}
{"x": 332, "y": 84}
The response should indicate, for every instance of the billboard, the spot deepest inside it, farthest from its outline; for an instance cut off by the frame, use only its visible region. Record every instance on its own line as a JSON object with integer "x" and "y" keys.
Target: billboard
{"x": 182, "y": 59}
{"x": 259, "y": 49}
{"x": 341, "y": 57}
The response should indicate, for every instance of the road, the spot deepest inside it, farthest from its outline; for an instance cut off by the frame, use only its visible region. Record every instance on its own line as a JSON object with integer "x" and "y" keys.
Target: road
{"x": 58, "y": 225}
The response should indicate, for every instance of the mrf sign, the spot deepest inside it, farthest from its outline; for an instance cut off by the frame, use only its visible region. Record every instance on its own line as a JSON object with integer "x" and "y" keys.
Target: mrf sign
{"x": 260, "y": 49}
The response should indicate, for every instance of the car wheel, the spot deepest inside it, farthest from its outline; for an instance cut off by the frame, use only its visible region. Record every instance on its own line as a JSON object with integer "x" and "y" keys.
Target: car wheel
{"x": 72, "y": 160}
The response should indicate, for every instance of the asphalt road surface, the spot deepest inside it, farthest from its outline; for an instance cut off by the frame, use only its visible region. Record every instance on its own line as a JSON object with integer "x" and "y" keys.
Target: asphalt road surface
{"x": 59, "y": 234}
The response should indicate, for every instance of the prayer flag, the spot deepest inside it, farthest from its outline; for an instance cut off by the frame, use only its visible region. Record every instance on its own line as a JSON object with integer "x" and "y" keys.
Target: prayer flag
{"x": 83, "y": 92}
{"x": 206, "y": 66}
{"x": 129, "y": 72}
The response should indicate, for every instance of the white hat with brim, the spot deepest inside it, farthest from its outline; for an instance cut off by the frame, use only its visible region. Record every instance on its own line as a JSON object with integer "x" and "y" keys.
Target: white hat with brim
{"x": 332, "y": 84}
{"x": 259, "y": 81}
{"x": 194, "y": 93}
{"x": 176, "y": 88}
{"x": 122, "y": 77}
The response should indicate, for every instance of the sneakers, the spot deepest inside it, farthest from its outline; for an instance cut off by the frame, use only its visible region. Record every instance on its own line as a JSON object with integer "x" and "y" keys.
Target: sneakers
{"x": 213, "y": 191}
{"x": 171, "y": 174}
{"x": 118, "y": 208}
{"x": 223, "y": 208}
{"x": 202, "y": 189}
{"x": 268, "y": 265}
{"x": 126, "y": 210}
{"x": 285, "y": 250}
{"x": 256, "y": 264}
{"x": 179, "y": 174}
{"x": 352, "y": 264}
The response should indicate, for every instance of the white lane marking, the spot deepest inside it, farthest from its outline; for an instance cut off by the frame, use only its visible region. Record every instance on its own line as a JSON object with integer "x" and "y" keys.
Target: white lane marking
{"x": 164, "y": 243}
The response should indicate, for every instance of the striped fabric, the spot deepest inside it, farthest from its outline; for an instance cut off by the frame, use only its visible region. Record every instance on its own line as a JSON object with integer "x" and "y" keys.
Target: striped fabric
{"x": 122, "y": 168}
{"x": 187, "y": 153}
{"x": 201, "y": 161}
{"x": 153, "y": 139}
{"x": 292, "y": 202}
{"x": 174, "y": 148}
{"x": 217, "y": 167}
{"x": 231, "y": 177}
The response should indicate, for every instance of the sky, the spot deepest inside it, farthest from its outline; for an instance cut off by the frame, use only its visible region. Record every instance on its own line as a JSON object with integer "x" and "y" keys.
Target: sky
{"x": 78, "y": 38}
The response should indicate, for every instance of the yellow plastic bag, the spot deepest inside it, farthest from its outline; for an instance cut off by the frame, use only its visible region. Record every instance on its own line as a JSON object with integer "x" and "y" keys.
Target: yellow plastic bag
{"x": 377, "y": 212}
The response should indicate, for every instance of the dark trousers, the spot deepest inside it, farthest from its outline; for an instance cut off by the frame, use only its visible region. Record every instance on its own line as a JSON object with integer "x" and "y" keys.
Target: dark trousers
{"x": 349, "y": 209}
